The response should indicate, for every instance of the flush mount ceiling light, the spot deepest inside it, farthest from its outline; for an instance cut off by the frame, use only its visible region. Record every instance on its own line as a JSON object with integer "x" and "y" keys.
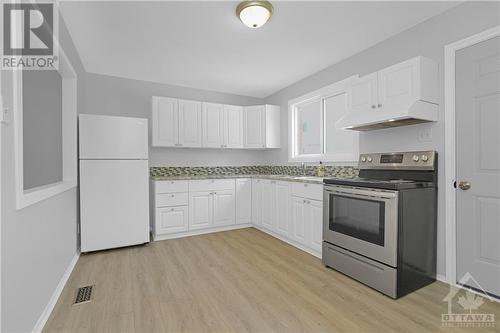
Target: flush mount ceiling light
{"x": 254, "y": 14}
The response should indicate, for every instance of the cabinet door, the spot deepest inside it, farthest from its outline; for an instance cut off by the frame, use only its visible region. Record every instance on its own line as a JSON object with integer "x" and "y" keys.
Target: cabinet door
{"x": 189, "y": 123}
{"x": 243, "y": 201}
{"x": 398, "y": 85}
{"x": 256, "y": 202}
{"x": 165, "y": 122}
{"x": 282, "y": 205}
{"x": 315, "y": 220}
{"x": 254, "y": 123}
{"x": 224, "y": 205}
{"x": 299, "y": 230}
{"x": 171, "y": 220}
{"x": 213, "y": 123}
{"x": 362, "y": 94}
{"x": 267, "y": 204}
{"x": 200, "y": 210}
{"x": 233, "y": 126}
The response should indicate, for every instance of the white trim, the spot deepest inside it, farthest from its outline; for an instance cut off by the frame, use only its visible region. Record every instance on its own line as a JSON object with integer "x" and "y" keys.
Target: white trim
{"x": 319, "y": 94}
{"x": 42, "y": 320}
{"x": 450, "y": 157}
{"x": 69, "y": 133}
{"x": 201, "y": 231}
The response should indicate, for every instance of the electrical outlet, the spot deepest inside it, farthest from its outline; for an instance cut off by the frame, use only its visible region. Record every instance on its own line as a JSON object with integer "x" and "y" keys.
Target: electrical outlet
{"x": 425, "y": 135}
{"x": 4, "y": 116}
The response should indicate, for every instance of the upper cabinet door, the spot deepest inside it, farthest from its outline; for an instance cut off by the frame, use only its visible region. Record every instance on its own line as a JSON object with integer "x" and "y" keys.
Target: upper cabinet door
{"x": 213, "y": 124}
{"x": 363, "y": 94}
{"x": 255, "y": 126}
{"x": 233, "y": 126}
{"x": 398, "y": 84}
{"x": 165, "y": 123}
{"x": 190, "y": 123}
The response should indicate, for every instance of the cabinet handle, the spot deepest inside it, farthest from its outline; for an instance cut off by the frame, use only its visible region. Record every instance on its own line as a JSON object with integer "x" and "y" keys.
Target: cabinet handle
{"x": 263, "y": 146}
{"x": 172, "y": 195}
{"x": 380, "y": 105}
{"x": 304, "y": 201}
{"x": 373, "y": 106}
{"x": 172, "y": 209}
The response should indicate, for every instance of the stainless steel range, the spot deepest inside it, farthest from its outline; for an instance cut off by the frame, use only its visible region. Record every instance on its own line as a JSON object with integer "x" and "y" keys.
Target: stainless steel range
{"x": 380, "y": 228}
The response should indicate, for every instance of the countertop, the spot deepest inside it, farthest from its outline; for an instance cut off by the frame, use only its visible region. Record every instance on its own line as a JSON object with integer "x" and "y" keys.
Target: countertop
{"x": 288, "y": 178}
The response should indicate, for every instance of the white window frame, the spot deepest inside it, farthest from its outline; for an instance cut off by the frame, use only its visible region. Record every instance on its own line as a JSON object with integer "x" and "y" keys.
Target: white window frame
{"x": 25, "y": 198}
{"x": 320, "y": 94}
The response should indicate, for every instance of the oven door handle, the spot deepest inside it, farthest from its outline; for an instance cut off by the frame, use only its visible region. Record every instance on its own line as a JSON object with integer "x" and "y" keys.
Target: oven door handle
{"x": 364, "y": 194}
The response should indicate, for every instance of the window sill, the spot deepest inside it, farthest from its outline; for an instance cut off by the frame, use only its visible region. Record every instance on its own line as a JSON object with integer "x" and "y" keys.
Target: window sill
{"x": 37, "y": 194}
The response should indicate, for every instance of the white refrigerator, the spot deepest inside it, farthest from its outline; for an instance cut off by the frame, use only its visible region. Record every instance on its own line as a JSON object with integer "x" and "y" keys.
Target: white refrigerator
{"x": 114, "y": 182}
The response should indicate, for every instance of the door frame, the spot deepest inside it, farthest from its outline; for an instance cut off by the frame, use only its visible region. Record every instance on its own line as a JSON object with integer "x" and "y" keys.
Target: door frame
{"x": 450, "y": 144}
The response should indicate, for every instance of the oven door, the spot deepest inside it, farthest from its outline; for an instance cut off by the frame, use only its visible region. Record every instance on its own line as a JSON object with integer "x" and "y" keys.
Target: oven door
{"x": 362, "y": 220}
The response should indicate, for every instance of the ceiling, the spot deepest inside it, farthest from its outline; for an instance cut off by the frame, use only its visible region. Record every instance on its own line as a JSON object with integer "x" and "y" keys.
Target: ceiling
{"x": 204, "y": 45}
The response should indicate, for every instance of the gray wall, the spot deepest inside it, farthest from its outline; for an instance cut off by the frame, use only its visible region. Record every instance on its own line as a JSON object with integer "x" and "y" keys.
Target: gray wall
{"x": 115, "y": 96}
{"x": 42, "y": 128}
{"x": 426, "y": 39}
{"x": 38, "y": 242}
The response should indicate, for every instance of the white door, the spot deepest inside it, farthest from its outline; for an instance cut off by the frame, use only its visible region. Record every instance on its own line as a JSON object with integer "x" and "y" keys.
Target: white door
{"x": 213, "y": 123}
{"x": 315, "y": 220}
{"x": 243, "y": 201}
{"x": 255, "y": 127}
{"x": 114, "y": 203}
{"x": 233, "y": 126}
{"x": 362, "y": 94}
{"x": 120, "y": 138}
{"x": 282, "y": 207}
{"x": 256, "y": 202}
{"x": 171, "y": 220}
{"x": 267, "y": 204}
{"x": 398, "y": 84}
{"x": 165, "y": 122}
{"x": 224, "y": 205}
{"x": 299, "y": 231}
{"x": 190, "y": 123}
{"x": 200, "y": 210}
{"x": 478, "y": 163}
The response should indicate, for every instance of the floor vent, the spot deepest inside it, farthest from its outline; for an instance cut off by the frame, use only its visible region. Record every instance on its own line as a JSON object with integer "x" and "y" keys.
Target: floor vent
{"x": 84, "y": 295}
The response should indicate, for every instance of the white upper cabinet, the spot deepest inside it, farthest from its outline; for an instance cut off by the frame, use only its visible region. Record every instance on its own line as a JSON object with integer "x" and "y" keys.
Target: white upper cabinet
{"x": 165, "y": 122}
{"x": 233, "y": 126}
{"x": 213, "y": 125}
{"x": 402, "y": 94}
{"x": 183, "y": 123}
{"x": 363, "y": 94}
{"x": 261, "y": 126}
{"x": 190, "y": 123}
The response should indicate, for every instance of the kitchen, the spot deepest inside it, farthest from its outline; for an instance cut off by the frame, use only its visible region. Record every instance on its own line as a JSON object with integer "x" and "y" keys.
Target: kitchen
{"x": 231, "y": 200}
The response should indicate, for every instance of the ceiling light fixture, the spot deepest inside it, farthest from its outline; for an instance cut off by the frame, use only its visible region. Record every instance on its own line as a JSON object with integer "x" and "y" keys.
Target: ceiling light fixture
{"x": 254, "y": 14}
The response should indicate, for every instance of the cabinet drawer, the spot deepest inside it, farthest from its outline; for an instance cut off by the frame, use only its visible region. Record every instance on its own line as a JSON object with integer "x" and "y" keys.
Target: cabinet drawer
{"x": 211, "y": 184}
{"x": 171, "y": 186}
{"x": 171, "y": 199}
{"x": 305, "y": 190}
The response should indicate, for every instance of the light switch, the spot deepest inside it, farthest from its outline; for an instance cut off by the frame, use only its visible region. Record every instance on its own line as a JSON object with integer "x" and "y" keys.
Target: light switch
{"x": 425, "y": 135}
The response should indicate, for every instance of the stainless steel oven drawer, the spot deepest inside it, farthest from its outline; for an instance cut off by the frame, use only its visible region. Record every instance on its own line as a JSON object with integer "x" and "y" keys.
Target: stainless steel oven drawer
{"x": 376, "y": 275}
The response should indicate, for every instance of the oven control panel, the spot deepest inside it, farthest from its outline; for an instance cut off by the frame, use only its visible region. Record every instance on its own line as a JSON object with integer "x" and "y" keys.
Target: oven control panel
{"x": 416, "y": 160}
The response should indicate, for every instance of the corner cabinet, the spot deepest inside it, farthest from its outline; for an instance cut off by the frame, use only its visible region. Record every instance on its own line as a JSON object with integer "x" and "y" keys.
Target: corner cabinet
{"x": 262, "y": 126}
{"x": 183, "y": 123}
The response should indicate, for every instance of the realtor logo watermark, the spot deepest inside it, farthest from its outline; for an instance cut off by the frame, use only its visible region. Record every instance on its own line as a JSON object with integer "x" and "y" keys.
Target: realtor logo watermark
{"x": 468, "y": 313}
{"x": 28, "y": 39}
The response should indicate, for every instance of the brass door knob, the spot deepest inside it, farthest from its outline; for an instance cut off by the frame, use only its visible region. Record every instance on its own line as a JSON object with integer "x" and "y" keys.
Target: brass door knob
{"x": 464, "y": 185}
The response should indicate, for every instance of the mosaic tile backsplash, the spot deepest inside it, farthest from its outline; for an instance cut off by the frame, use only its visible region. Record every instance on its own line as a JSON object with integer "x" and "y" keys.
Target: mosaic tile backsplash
{"x": 330, "y": 171}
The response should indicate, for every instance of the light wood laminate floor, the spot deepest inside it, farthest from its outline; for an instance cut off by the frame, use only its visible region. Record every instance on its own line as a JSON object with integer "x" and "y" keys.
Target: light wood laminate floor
{"x": 236, "y": 281}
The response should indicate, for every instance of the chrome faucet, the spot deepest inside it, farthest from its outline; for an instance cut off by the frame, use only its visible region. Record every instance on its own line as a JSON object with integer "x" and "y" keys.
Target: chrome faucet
{"x": 303, "y": 168}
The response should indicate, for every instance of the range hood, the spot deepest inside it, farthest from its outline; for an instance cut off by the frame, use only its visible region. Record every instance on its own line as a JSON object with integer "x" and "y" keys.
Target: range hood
{"x": 414, "y": 112}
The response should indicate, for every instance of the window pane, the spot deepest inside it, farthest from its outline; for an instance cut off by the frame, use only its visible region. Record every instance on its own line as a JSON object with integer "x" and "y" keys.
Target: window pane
{"x": 42, "y": 128}
{"x": 337, "y": 140}
{"x": 309, "y": 128}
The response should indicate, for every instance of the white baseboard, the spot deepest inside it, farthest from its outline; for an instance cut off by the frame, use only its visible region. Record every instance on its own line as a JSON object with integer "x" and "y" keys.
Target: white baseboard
{"x": 289, "y": 241}
{"x": 442, "y": 278}
{"x": 201, "y": 231}
{"x": 55, "y": 296}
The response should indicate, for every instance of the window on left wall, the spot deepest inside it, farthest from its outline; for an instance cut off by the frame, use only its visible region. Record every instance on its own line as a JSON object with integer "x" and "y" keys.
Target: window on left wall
{"x": 45, "y": 113}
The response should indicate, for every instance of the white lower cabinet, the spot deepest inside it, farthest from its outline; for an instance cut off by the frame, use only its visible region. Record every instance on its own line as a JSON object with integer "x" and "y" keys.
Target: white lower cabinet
{"x": 289, "y": 210}
{"x": 171, "y": 219}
